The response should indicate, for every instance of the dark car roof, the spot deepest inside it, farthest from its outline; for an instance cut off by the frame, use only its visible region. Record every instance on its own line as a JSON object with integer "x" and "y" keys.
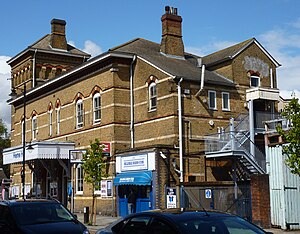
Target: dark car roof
{"x": 21, "y": 201}
{"x": 184, "y": 214}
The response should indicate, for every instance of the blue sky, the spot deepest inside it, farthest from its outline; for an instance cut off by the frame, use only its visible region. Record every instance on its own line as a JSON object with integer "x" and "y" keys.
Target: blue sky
{"x": 97, "y": 25}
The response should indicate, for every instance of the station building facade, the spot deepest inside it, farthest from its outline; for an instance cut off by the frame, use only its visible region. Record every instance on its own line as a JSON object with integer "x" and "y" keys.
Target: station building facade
{"x": 152, "y": 104}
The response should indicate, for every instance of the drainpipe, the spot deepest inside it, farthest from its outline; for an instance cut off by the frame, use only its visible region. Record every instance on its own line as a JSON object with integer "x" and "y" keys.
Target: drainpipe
{"x": 202, "y": 76}
{"x": 131, "y": 104}
{"x": 33, "y": 70}
{"x": 180, "y": 141}
{"x": 251, "y": 127}
{"x": 180, "y": 131}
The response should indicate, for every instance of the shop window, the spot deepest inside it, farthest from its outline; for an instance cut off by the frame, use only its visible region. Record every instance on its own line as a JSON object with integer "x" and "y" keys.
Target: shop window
{"x": 79, "y": 113}
{"x": 97, "y": 108}
{"x": 225, "y": 101}
{"x": 212, "y": 100}
{"x": 34, "y": 127}
{"x": 254, "y": 81}
{"x": 15, "y": 191}
{"x": 53, "y": 189}
{"x": 106, "y": 188}
{"x": 79, "y": 179}
{"x": 152, "y": 96}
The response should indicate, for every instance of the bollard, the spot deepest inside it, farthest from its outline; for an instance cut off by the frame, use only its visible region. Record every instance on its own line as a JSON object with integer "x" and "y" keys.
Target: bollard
{"x": 86, "y": 214}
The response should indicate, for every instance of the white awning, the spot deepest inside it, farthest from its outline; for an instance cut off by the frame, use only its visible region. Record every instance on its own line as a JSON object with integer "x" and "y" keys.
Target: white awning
{"x": 41, "y": 150}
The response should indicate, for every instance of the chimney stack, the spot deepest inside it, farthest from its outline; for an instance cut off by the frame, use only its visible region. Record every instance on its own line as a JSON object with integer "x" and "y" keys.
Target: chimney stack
{"x": 171, "y": 42}
{"x": 58, "y": 35}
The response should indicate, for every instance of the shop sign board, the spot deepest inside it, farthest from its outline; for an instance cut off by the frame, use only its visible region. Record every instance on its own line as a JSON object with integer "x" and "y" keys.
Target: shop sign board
{"x": 134, "y": 163}
{"x": 171, "y": 198}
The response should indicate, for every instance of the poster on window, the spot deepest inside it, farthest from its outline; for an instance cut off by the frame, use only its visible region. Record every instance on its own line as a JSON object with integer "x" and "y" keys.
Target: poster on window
{"x": 103, "y": 188}
{"x": 53, "y": 189}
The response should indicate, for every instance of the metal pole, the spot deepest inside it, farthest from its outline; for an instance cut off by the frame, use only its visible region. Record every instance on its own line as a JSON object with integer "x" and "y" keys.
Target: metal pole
{"x": 24, "y": 142}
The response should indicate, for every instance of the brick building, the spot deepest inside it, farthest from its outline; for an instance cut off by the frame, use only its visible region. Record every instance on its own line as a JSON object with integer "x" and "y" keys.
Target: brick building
{"x": 163, "y": 112}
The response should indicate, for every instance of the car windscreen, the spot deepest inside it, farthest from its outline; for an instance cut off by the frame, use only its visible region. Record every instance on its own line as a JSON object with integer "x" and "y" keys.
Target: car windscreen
{"x": 218, "y": 225}
{"x": 36, "y": 213}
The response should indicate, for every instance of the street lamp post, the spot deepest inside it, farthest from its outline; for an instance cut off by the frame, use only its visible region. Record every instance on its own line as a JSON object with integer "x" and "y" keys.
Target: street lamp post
{"x": 13, "y": 94}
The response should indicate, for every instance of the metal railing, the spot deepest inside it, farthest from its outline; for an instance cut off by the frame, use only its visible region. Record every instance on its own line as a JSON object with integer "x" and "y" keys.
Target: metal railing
{"x": 261, "y": 117}
{"x": 235, "y": 141}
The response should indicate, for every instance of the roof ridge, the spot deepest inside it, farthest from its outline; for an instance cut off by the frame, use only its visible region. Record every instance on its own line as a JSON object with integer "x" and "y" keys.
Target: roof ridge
{"x": 130, "y": 42}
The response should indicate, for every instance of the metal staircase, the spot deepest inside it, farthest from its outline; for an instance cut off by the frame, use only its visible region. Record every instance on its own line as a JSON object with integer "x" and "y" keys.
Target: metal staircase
{"x": 234, "y": 142}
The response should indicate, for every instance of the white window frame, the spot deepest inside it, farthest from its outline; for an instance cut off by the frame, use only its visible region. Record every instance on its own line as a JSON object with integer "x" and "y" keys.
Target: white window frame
{"x": 255, "y": 77}
{"x": 152, "y": 90}
{"x": 96, "y": 108}
{"x": 228, "y": 101}
{"x": 209, "y": 100}
{"x": 58, "y": 121}
{"x": 34, "y": 128}
{"x": 79, "y": 113}
{"x": 79, "y": 179}
{"x": 22, "y": 127}
{"x": 50, "y": 122}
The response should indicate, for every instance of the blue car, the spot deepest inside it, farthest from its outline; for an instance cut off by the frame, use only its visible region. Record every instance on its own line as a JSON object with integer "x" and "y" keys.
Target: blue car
{"x": 38, "y": 217}
{"x": 181, "y": 221}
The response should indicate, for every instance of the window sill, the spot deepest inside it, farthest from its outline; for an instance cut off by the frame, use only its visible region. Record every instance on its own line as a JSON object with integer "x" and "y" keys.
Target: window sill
{"x": 152, "y": 110}
{"x": 226, "y": 110}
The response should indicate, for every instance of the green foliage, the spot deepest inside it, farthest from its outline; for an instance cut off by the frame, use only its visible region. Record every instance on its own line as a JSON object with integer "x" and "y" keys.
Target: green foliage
{"x": 4, "y": 143}
{"x": 94, "y": 165}
{"x": 292, "y": 136}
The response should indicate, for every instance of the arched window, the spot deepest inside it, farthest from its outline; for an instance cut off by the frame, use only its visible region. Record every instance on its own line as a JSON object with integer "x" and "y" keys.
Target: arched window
{"x": 79, "y": 113}
{"x": 50, "y": 122}
{"x": 58, "y": 121}
{"x": 96, "y": 108}
{"x": 79, "y": 179}
{"x": 152, "y": 96}
{"x": 34, "y": 127}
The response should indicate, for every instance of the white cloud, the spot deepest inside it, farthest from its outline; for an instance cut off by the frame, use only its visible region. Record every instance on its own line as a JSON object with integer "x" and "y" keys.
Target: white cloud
{"x": 92, "y": 48}
{"x": 210, "y": 48}
{"x": 4, "y": 91}
{"x": 287, "y": 94}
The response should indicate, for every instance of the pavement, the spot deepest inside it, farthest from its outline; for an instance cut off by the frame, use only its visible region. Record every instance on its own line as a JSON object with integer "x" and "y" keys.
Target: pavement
{"x": 103, "y": 221}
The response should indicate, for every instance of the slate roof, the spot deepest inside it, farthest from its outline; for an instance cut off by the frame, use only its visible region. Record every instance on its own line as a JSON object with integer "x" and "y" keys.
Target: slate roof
{"x": 227, "y": 53}
{"x": 232, "y": 51}
{"x": 186, "y": 68}
{"x": 44, "y": 44}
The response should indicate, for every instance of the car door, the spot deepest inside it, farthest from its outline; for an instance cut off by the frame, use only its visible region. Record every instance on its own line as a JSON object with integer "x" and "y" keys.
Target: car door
{"x": 136, "y": 225}
{"x": 6, "y": 221}
{"x": 159, "y": 226}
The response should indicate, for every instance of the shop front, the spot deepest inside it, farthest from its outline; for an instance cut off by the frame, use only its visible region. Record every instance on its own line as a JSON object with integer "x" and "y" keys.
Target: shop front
{"x": 134, "y": 182}
{"x": 47, "y": 170}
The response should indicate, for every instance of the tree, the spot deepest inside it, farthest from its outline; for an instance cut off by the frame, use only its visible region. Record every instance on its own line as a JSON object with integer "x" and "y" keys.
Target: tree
{"x": 292, "y": 136}
{"x": 95, "y": 169}
{"x": 4, "y": 143}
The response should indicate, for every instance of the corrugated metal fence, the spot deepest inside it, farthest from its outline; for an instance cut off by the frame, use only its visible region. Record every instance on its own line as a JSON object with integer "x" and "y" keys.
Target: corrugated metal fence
{"x": 284, "y": 191}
